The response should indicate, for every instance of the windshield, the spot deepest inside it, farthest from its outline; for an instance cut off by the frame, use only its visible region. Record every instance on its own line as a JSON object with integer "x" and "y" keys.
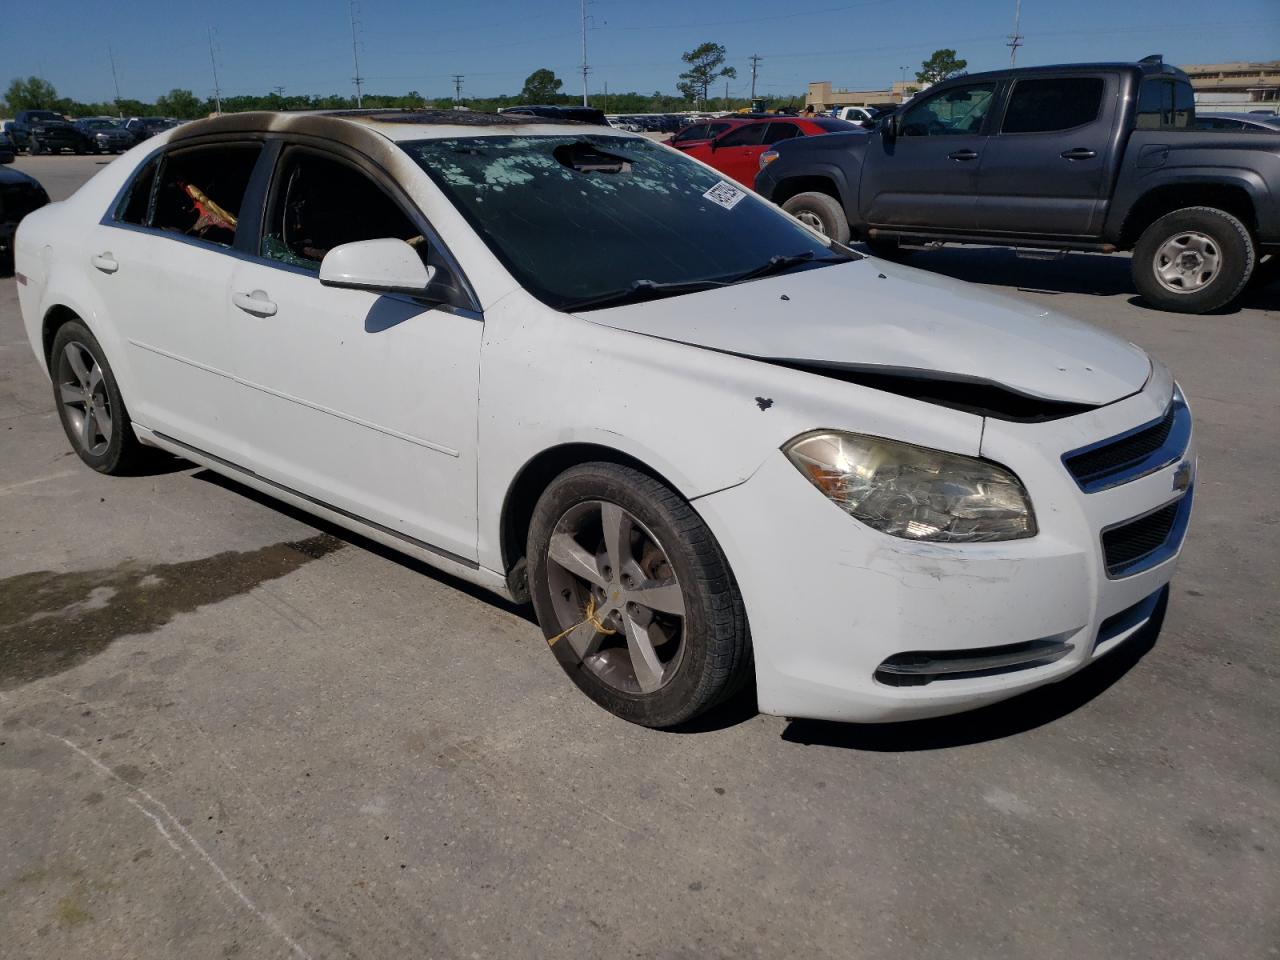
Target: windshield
{"x": 583, "y": 217}
{"x": 100, "y": 124}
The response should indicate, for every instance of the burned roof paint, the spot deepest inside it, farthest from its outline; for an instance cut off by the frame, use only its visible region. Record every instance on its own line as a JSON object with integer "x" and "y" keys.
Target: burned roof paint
{"x": 463, "y": 118}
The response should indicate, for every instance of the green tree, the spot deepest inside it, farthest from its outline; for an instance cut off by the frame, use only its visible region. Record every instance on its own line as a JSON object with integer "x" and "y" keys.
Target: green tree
{"x": 31, "y": 94}
{"x": 541, "y": 86}
{"x": 940, "y": 66}
{"x": 705, "y": 68}
{"x": 182, "y": 104}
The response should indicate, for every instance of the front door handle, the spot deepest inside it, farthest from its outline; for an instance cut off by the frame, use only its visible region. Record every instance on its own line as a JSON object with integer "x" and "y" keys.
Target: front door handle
{"x": 105, "y": 262}
{"x": 1079, "y": 153}
{"x": 255, "y": 303}
{"x": 963, "y": 155}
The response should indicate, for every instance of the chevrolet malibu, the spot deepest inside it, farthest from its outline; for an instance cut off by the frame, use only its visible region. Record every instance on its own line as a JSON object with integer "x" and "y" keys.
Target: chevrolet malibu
{"x": 581, "y": 369}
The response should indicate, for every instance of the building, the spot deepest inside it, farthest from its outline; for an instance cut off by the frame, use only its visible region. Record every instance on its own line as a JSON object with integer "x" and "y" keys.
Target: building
{"x": 1236, "y": 86}
{"x": 822, "y": 97}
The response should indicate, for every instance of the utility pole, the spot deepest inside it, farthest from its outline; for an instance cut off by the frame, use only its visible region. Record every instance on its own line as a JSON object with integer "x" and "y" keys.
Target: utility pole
{"x": 755, "y": 62}
{"x": 115, "y": 80}
{"x": 726, "y": 96}
{"x": 606, "y": 96}
{"x": 213, "y": 62}
{"x": 457, "y": 88}
{"x": 585, "y": 68}
{"x": 355, "y": 55}
{"x": 279, "y": 91}
{"x": 1015, "y": 38}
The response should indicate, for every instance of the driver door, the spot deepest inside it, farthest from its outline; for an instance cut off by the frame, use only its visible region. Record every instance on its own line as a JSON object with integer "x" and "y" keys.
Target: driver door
{"x": 362, "y": 401}
{"x": 928, "y": 175}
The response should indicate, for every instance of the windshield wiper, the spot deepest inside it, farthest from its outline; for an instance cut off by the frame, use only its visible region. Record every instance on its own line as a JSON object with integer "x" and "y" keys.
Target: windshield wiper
{"x": 783, "y": 262}
{"x": 642, "y": 290}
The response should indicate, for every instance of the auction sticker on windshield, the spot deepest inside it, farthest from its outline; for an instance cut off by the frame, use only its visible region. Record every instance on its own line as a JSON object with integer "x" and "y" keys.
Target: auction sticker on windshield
{"x": 725, "y": 194}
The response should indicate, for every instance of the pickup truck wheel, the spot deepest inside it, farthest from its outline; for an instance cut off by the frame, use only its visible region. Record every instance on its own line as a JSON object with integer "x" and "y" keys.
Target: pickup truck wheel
{"x": 635, "y": 596}
{"x": 1193, "y": 260}
{"x": 822, "y": 213}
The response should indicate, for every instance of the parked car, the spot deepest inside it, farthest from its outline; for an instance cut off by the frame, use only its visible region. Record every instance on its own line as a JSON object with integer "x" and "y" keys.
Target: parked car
{"x": 7, "y": 151}
{"x": 736, "y": 153}
{"x": 700, "y": 132}
{"x": 7, "y": 140}
{"x": 105, "y": 135}
{"x": 578, "y": 114}
{"x": 1244, "y": 122}
{"x": 862, "y": 116}
{"x": 43, "y": 131}
{"x": 711, "y": 446}
{"x": 1100, "y": 157}
{"x": 19, "y": 195}
{"x": 143, "y": 128}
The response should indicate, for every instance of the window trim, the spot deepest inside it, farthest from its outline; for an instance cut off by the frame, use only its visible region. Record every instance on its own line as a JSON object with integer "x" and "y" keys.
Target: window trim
{"x": 1012, "y": 88}
{"x": 999, "y": 97}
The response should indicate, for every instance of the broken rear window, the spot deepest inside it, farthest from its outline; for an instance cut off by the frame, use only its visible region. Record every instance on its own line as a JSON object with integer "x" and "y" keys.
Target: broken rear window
{"x": 582, "y": 216}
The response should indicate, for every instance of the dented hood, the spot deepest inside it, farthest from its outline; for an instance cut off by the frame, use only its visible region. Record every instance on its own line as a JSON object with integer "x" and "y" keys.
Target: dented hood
{"x": 881, "y": 317}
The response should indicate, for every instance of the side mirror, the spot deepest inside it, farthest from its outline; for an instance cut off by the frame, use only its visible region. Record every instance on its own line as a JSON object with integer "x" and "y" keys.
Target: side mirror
{"x": 889, "y": 127}
{"x": 382, "y": 266}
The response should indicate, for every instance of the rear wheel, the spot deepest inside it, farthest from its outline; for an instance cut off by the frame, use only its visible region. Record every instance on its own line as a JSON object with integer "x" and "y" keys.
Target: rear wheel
{"x": 1193, "y": 260}
{"x": 89, "y": 402}
{"x": 635, "y": 596}
{"x": 820, "y": 212}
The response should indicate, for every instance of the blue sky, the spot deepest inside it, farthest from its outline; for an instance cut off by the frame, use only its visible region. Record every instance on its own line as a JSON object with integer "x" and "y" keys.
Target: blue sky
{"x": 305, "y": 45}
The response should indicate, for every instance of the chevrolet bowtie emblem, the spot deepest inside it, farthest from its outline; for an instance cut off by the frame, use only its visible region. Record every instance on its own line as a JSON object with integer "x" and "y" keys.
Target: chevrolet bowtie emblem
{"x": 1182, "y": 476}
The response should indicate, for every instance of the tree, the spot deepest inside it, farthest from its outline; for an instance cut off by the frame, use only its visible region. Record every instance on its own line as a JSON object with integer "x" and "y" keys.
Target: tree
{"x": 182, "y": 104}
{"x": 541, "y": 86}
{"x": 704, "y": 69}
{"x": 31, "y": 94}
{"x": 940, "y": 66}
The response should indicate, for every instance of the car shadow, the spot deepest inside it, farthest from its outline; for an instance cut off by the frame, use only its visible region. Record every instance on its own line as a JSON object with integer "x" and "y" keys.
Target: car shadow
{"x": 1005, "y": 719}
{"x": 525, "y": 611}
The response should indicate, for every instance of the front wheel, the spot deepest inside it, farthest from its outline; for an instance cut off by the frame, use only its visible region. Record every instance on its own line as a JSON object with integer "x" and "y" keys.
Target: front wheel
{"x": 1193, "y": 260}
{"x": 635, "y": 596}
{"x": 89, "y": 402}
{"x": 821, "y": 212}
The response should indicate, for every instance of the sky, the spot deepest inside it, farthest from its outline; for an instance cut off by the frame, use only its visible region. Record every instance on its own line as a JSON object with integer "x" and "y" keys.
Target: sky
{"x": 305, "y": 45}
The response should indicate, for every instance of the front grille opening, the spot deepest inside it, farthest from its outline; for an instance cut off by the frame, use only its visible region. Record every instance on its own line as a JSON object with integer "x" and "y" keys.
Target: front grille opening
{"x": 1124, "y": 454}
{"x": 1126, "y": 546}
{"x": 1127, "y": 619}
{"x": 920, "y": 667}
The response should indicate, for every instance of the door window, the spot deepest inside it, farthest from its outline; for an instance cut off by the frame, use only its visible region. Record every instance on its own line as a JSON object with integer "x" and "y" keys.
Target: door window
{"x": 320, "y": 202}
{"x": 781, "y": 131}
{"x": 697, "y": 132}
{"x": 1165, "y": 105}
{"x": 752, "y": 135}
{"x": 956, "y": 111}
{"x": 200, "y": 191}
{"x": 136, "y": 206}
{"x": 1054, "y": 103}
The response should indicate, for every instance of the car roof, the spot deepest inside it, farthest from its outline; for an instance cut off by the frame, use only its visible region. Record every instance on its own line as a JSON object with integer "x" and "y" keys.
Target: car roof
{"x": 1143, "y": 67}
{"x": 391, "y": 124}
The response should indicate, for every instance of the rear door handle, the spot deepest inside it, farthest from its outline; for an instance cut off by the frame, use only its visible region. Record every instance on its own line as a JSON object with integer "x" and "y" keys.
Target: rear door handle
{"x": 255, "y": 303}
{"x": 1079, "y": 153}
{"x": 105, "y": 262}
{"x": 963, "y": 155}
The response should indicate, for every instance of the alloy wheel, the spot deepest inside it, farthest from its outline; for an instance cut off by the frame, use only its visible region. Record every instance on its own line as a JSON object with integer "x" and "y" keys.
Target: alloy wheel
{"x": 82, "y": 391}
{"x": 1187, "y": 261}
{"x": 616, "y": 596}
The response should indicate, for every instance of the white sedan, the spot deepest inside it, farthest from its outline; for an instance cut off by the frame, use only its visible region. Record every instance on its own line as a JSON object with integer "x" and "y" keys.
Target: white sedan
{"x": 577, "y": 367}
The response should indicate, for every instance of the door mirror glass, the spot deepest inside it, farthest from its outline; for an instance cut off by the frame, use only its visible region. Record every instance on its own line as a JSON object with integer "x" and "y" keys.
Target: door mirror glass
{"x": 385, "y": 266}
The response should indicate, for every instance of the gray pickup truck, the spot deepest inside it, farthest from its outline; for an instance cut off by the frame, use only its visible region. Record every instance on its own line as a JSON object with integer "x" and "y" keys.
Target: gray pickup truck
{"x": 1100, "y": 157}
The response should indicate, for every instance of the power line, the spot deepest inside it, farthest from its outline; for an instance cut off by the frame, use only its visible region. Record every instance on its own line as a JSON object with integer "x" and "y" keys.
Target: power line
{"x": 355, "y": 54}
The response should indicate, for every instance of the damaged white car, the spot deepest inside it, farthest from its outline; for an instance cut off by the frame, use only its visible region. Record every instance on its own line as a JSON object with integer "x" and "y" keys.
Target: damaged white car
{"x": 575, "y": 366}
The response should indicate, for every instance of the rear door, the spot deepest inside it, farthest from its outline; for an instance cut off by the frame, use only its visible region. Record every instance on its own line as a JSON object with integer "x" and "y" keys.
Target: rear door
{"x": 928, "y": 175}
{"x": 737, "y": 153}
{"x": 364, "y": 402}
{"x": 1047, "y": 170}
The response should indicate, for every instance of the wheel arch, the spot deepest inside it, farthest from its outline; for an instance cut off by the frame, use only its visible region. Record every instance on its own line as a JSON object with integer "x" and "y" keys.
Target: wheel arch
{"x": 55, "y": 317}
{"x": 527, "y": 486}
{"x": 1232, "y": 197}
{"x": 807, "y": 183}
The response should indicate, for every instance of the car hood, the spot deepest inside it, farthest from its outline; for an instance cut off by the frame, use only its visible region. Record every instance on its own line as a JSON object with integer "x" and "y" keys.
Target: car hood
{"x": 876, "y": 317}
{"x": 10, "y": 177}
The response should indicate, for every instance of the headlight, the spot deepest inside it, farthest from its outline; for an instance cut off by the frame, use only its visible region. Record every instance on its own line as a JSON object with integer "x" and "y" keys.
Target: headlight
{"x": 767, "y": 158}
{"x": 914, "y": 492}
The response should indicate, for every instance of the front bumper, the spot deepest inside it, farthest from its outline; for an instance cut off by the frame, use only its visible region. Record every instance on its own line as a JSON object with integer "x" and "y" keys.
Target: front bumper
{"x": 830, "y": 601}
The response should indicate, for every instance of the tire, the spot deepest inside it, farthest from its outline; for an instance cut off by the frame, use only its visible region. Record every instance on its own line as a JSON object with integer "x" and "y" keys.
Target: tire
{"x": 822, "y": 213}
{"x": 701, "y": 656}
{"x": 33, "y": 147}
{"x": 114, "y": 450}
{"x": 1193, "y": 260}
